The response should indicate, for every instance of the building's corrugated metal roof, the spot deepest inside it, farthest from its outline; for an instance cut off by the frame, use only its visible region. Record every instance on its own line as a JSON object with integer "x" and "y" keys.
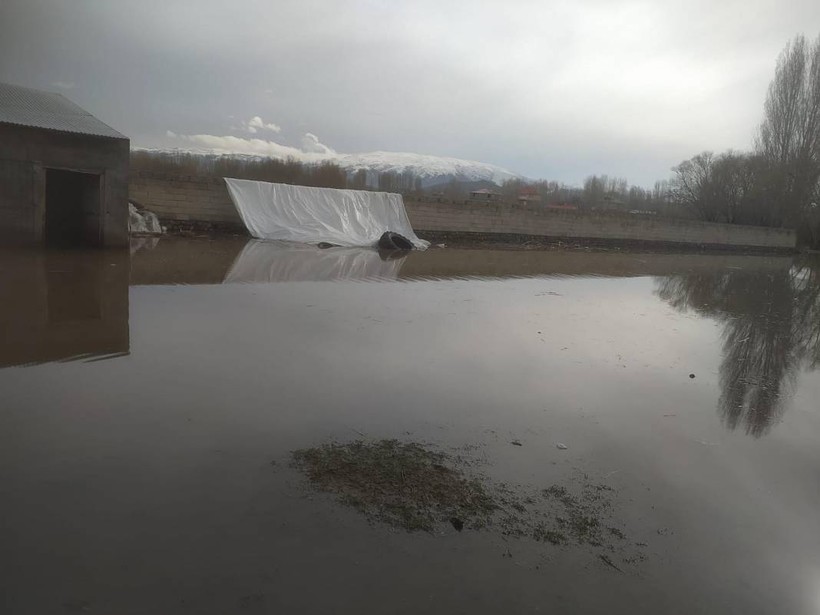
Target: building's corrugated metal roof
{"x": 38, "y": 109}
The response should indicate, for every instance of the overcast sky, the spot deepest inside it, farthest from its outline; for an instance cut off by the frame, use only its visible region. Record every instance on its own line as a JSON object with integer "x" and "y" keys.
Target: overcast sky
{"x": 553, "y": 90}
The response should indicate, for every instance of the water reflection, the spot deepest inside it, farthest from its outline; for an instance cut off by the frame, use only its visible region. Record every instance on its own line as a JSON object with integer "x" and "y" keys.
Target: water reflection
{"x": 59, "y": 305}
{"x": 273, "y": 261}
{"x": 174, "y": 260}
{"x": 771, "y": 330}
{"x": 143, "y": 243}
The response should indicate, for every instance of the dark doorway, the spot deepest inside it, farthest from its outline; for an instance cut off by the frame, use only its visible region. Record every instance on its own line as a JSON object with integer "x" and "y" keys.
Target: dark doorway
{"x": 72, "y": 208}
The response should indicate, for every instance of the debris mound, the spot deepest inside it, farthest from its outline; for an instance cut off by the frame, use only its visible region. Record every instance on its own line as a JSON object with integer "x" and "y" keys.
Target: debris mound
{"x": 399, "y": 483}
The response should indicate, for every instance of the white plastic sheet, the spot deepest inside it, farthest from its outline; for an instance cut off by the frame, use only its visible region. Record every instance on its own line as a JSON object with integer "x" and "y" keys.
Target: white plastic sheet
{"x": 145, "y": 222}
{"x": 275, "y": 261}
{"x": 314, "y": 215}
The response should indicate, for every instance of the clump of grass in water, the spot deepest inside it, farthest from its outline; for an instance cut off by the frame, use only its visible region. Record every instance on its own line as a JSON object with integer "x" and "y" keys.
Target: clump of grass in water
{"x": 541, "y": 533}
{"x": 408, "y": 486}
{"x": 584, "y": 514}
{"x": 402, "y": 484}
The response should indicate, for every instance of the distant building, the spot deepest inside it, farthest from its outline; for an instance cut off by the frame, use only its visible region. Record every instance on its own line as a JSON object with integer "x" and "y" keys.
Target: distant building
{"x": 528, "y": 194}
{"x": 562, "y": 207}
{"x": 63, "y": 173}
{"x": 485, "y": 195}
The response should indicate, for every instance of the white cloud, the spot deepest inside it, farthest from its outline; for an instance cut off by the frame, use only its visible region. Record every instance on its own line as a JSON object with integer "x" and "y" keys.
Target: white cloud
{"x": 311, "y": 143}
{"x": 254, "y": 147}
{"x": 312, "y": 150}
{"x": 256, "y": 123}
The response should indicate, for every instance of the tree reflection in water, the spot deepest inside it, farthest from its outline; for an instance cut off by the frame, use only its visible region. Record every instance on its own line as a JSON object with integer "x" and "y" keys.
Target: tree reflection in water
{"x": 771, "y": 331}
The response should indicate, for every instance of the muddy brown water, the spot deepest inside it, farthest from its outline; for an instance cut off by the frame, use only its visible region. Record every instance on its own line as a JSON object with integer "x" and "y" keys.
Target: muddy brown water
{"x": 149, "y": 406}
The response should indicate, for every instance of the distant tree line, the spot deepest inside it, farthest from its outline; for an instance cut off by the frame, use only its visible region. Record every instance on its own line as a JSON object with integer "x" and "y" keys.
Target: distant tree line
{"x": 403, "y": 183}
{"x": 550, "y": 192}
{"x": 777, "y": 184}
{"x": 288, "y": 171}
{"x": 616, "y": 193}
{"x": 599, "y": 192}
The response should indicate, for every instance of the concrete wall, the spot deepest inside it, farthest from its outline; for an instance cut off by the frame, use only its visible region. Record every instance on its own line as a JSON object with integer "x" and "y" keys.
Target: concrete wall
{"x": 26, "y": 153}
{"x": 534, "y": 219}
{"x": 17, "y": 209}
{"x": 194, "y": 198}
{"x": 184, "y": 198}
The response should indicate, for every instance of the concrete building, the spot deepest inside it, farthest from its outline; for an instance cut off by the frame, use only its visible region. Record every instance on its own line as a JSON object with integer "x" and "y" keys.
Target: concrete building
{"x": 63, "y": 173}
{"x": 485, "y": 195}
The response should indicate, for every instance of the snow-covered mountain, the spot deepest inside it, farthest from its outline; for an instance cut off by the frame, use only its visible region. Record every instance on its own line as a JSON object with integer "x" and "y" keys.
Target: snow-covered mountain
{"x": 432, "y": 170}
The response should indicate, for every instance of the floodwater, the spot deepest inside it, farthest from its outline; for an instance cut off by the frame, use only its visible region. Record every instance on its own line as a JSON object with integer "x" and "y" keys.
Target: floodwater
{"x": 149, "y": 406}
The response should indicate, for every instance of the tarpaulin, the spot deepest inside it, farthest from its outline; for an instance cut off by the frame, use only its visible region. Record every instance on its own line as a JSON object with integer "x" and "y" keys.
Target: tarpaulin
{"x": 315, "y": 215}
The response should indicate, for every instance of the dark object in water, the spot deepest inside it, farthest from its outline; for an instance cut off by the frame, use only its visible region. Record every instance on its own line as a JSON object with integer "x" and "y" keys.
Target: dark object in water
{"x": 691, "y": 375}
{"x": 609, "y": 563}
{"x": 457, "y": 523}
{"x": 323, "y": 245}
{"x": 393, "y": 241}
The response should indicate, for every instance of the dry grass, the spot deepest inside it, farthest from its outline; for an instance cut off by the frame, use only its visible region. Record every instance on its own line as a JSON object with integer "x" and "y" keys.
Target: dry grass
{"x": 408, "y": 486}
{"x": 402, "y": 484}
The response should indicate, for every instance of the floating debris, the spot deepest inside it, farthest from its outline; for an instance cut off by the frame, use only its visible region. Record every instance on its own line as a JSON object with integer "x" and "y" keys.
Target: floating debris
{"x": 408, "y": 486}
{"x": 608, "y": 562}
{"x": 562, "y": 447}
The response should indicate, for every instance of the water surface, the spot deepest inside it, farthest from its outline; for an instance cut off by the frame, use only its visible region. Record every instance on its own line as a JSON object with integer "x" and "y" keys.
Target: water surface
{"x": 150, "y": 405}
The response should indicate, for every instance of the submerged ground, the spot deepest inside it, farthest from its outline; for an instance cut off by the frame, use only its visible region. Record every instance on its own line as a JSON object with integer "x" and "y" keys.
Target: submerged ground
{"x": 224, "y": 427}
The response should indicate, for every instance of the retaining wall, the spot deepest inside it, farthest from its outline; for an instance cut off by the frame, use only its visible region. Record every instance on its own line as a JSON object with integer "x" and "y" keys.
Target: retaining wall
{"x": 184, "y": 198}
{"x": 205, "y": 199}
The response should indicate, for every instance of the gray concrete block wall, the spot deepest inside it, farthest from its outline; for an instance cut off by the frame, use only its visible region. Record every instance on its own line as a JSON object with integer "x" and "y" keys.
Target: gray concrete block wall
{"x": 184, "y": 198}
{"x": 534, "y": 220}
{"x": 17, "y": 218}
{"x": 206, "y": 199}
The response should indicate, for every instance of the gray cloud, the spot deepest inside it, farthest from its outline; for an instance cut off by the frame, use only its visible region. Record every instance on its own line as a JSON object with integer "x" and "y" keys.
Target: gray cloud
{"x": 549, "y": 89}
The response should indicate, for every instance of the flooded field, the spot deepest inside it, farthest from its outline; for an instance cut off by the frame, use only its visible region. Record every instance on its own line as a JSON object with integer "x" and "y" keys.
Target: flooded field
{"x": 230, "y": 427}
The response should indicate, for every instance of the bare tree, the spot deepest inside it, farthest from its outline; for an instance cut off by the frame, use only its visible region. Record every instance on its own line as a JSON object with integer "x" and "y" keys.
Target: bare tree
{"x": 694, "y": 186}
{"x": 594, "y": 190}
{"x": 789, "y": 137}
{"x": 359, "y": 180}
